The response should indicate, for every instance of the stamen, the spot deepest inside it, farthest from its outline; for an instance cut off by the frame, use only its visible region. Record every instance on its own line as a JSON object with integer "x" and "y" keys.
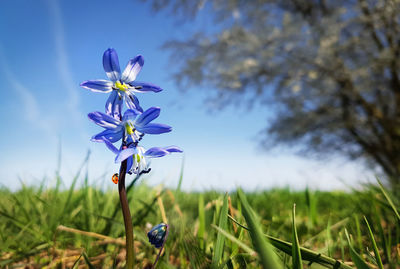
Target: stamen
{"x": 120, "y": 86}
{"x": 129, "y": 128}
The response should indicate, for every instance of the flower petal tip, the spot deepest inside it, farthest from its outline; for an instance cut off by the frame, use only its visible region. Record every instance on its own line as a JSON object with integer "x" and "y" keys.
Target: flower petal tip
{"x": 140, "y": 59}
{"x": 171, "y": 149}
{"x": 93, "y": 139}
{"x": 111, "y": 64}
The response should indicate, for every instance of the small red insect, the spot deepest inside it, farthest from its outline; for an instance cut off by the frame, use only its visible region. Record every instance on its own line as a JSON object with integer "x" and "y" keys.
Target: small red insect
{"x": 115, "y": 178}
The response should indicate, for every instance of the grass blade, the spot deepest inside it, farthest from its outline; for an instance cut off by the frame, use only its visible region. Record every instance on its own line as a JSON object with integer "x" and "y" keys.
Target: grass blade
{"x": 296, "y": 254}
{"x": 312, "y": 207}
{"x": 341, "y": 245}
{"x": 306, "y": 254}
{"x": 371, "y": 236}
{"x": 89, "y": 264}
{"x": 384, "y": 240}
{"x": 329, "y": 244}
{"x": 389, "y": 200}
{"x": 178, "y": 188}
{"x": 358, "y": 261}
{"x": 219, "y": 245}
{"x": 359, "y": 237}
{"x": 268, "y": 258}
{"x": 202, "y": 222}
{"x": 74, "y": 180}
{"x": 235, "y": 240}
{"x": 77, "y": 261}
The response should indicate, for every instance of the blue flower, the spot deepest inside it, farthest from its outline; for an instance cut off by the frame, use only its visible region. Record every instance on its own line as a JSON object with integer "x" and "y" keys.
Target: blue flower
{"x": 158, "y": 235}
{"x": 133, "y": 125}
{"x": 122, "y": 86}
{"x": 138, "y": 157}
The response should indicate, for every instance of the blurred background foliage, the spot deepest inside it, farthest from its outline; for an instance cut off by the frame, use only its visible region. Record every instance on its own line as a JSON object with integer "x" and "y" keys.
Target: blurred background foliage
{"x": 330, "y": 70}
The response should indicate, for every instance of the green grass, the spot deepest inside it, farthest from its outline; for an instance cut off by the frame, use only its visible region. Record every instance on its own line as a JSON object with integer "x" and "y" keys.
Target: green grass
{"x": 337, "y": 229}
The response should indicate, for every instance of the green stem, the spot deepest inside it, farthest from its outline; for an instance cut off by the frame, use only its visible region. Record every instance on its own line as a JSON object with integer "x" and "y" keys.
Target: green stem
{"x": 127, "y": 216}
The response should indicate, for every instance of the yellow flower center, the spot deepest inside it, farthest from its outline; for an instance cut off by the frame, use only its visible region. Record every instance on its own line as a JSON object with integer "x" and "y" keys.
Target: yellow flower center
{"x": 121, "y": 86}
{"x": 138, "y": 158}
{"x": 129, "y": 129}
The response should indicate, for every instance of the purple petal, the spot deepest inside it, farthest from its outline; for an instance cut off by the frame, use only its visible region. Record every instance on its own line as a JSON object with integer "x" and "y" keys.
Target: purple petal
{"x": 144, "y": 87}
{"x": 173, "y": 149}
{"x": 97, "y": 85}
{"x": 110, "y": 146}
{"x": 110, "y": 135}
{"x": 114, "y": 105}
{"x": 103, "y": 120}
{"x": 124, "y": 154}
{"x": 132, "y": 69}
{"x": 154, "y": 128}
{"x": 156, "y": 152}
{"x": 132, "y": 102}
{"x": 111, "y": 64}
{"x": 147, "y": 116}
{"x": 130, "y": 114}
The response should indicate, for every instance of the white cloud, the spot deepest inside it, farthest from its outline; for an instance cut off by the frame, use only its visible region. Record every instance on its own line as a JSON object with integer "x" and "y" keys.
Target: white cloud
{"x": 29, "y": 103}
{"x": 73, "y": 101}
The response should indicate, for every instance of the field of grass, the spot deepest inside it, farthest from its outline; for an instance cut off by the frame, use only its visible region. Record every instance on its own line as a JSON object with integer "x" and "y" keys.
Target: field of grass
{"x": 67, "y": 226}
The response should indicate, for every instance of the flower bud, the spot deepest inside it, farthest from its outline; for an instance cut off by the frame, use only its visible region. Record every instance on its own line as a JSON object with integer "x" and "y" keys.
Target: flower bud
{"x": 158, "y": 234}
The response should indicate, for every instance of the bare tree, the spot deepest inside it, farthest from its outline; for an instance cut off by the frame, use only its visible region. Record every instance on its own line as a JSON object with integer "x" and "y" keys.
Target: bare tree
{"x": 329, "y": 68}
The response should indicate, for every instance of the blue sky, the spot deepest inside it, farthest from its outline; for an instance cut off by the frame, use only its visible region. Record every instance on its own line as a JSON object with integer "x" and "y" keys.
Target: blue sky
{"x": 47, "y": 47}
